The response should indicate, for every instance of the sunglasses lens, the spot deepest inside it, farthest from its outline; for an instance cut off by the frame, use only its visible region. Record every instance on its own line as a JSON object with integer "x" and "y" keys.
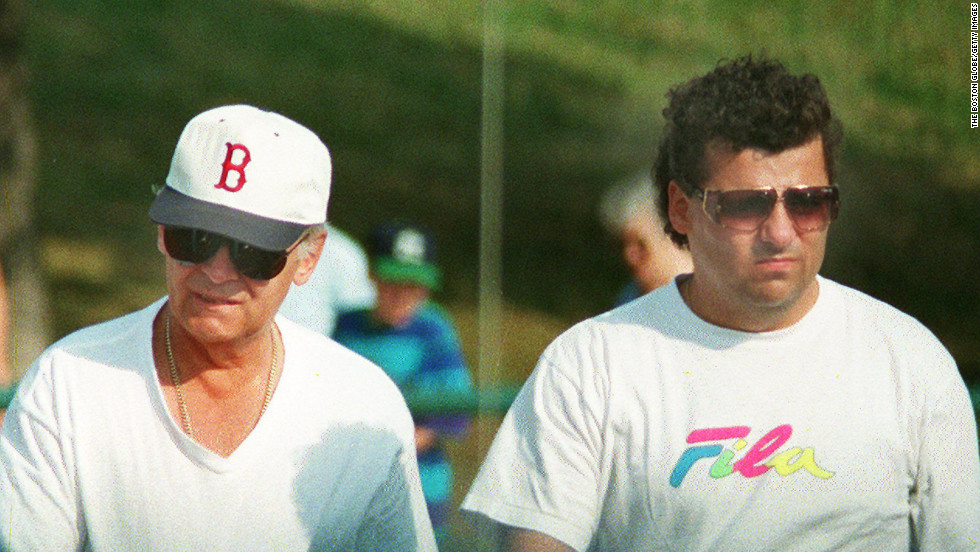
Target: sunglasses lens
{"x": 189, "y": 245}
{"x": 197, "y": 246}
{"x": 809, "y": 208}
{"x": 742, "y": 209}
{"x": 258, "y": 264}
{"x": 812, "y": 208}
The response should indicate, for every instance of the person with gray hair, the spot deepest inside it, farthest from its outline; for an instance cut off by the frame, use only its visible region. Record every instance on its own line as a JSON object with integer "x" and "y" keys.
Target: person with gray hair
{"x": 629, "y": 214}
{"x": 340, "y": 283}
{"x": 205, "y": 421}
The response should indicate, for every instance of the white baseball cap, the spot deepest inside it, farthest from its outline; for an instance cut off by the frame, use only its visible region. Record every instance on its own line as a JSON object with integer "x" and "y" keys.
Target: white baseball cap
{"x": 248, "y": 174}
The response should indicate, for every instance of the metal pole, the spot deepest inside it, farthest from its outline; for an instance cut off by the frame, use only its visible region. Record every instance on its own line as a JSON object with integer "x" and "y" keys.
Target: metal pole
{"x": 491, "y": 198}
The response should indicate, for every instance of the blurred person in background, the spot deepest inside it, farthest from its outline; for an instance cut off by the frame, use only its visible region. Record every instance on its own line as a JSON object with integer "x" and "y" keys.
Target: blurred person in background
{"x": 629, "y": 214}
{"x": 751, "y": 404}
{"x": 415, "y": 342}
{"x": 204, "y": 421}
{"x": 339, "y": 283}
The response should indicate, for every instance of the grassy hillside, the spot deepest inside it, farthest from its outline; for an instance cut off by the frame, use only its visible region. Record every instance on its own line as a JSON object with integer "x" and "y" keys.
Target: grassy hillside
{"x": 394, "y": 89}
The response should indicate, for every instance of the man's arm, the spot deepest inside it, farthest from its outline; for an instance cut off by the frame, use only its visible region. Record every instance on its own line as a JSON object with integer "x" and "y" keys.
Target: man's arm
{"x": 525, "y": 540}
{"x": 543, "y": 475}
{"x": 38, "y": 492}
{"x": 946, "y": 498}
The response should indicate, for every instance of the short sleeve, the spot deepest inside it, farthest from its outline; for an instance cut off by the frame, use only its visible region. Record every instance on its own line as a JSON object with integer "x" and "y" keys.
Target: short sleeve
{"x": 38, "y": 506}
{"x": 946, "y": 496}
{"x": 544, "y": 470}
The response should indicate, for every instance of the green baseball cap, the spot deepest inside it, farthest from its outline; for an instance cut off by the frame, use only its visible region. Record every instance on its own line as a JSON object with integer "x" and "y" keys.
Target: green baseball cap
{"x": 404, "y": 252}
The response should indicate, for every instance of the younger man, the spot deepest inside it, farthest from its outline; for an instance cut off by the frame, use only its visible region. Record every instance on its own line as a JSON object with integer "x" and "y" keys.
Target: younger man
{"x": 752, "y": 404}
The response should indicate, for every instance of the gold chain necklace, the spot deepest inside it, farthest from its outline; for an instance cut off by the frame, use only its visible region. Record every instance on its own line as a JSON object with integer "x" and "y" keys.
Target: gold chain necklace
{"x": 175, "y": 379}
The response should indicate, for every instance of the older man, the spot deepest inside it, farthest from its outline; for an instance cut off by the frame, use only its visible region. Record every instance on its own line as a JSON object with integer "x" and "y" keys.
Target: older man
{"x": 204, "y": 422}
{"x": 629, "y": 213}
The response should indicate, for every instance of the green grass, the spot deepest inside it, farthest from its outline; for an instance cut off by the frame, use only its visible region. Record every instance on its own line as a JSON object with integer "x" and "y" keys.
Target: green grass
{"x": 394, "y": 89}
{"x": 895, "y": 69}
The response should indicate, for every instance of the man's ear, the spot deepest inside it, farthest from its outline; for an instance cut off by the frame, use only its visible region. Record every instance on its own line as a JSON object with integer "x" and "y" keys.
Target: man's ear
{"x": 160, "y": 245}
{"x": 678, "y": 208}
{"x": 308, "y": 262}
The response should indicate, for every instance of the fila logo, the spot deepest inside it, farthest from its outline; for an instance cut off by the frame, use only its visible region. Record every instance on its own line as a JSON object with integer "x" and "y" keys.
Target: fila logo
{"x": 757, "y": 461}
{"x": 230, "y": 165}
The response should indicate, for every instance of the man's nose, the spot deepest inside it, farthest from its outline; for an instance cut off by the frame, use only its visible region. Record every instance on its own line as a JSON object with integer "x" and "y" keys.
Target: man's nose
{"x": 220, "y": 267}
{"x": 778, "y": 229}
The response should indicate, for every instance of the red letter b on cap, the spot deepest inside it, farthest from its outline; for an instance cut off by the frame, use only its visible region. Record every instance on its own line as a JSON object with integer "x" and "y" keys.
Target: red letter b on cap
{"x": 229, "y": 165}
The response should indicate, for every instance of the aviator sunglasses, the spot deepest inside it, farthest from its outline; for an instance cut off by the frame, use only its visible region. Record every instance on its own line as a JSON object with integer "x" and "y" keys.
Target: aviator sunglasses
{"x": 810, "y": 208}
{"x": 193, "y": 246}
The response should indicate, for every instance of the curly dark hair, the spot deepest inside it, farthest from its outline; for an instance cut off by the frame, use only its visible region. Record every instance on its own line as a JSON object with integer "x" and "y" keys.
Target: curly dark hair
{"x": 743, "y": 103}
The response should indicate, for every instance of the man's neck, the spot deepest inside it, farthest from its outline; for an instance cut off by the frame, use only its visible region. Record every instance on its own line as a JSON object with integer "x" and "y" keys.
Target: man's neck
{"x": 721, "y": 310}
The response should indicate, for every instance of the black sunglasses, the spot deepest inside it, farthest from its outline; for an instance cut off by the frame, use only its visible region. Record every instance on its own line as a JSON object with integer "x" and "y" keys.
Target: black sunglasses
{"x": 189, "y": 245}
{"x": 810, "y": 208}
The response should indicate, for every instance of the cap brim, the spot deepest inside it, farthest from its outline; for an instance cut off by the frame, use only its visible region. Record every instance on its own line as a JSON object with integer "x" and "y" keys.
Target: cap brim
{"x": 390, "y": 270}
{"x": 172, "y": 208}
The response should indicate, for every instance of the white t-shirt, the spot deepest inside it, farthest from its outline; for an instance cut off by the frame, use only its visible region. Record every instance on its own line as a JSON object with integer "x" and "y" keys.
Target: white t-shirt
{"x": 91, "y": 458}
{"x": 339, "y": 283}
{"x": 647, "y": 428}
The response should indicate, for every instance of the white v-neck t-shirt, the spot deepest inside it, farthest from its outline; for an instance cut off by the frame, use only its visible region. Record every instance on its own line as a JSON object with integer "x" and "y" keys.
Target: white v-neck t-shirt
{"x": 92, "y": 460}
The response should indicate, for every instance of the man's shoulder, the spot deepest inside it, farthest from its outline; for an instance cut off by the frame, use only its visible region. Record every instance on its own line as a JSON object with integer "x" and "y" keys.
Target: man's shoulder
{"x": 654, "y": 311}
{"x": 861, "y": 304}
{"x": 313, "y": 345}
{"x": 617, "y": 336}
{"x": 880, "y": 323}
{"x": 650, "y": 317}
{"x": 110, "y": 333}
{"x": 329, "y": 369}
{"x": 326, "y": 356}
{"x": 97, "y": 357}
